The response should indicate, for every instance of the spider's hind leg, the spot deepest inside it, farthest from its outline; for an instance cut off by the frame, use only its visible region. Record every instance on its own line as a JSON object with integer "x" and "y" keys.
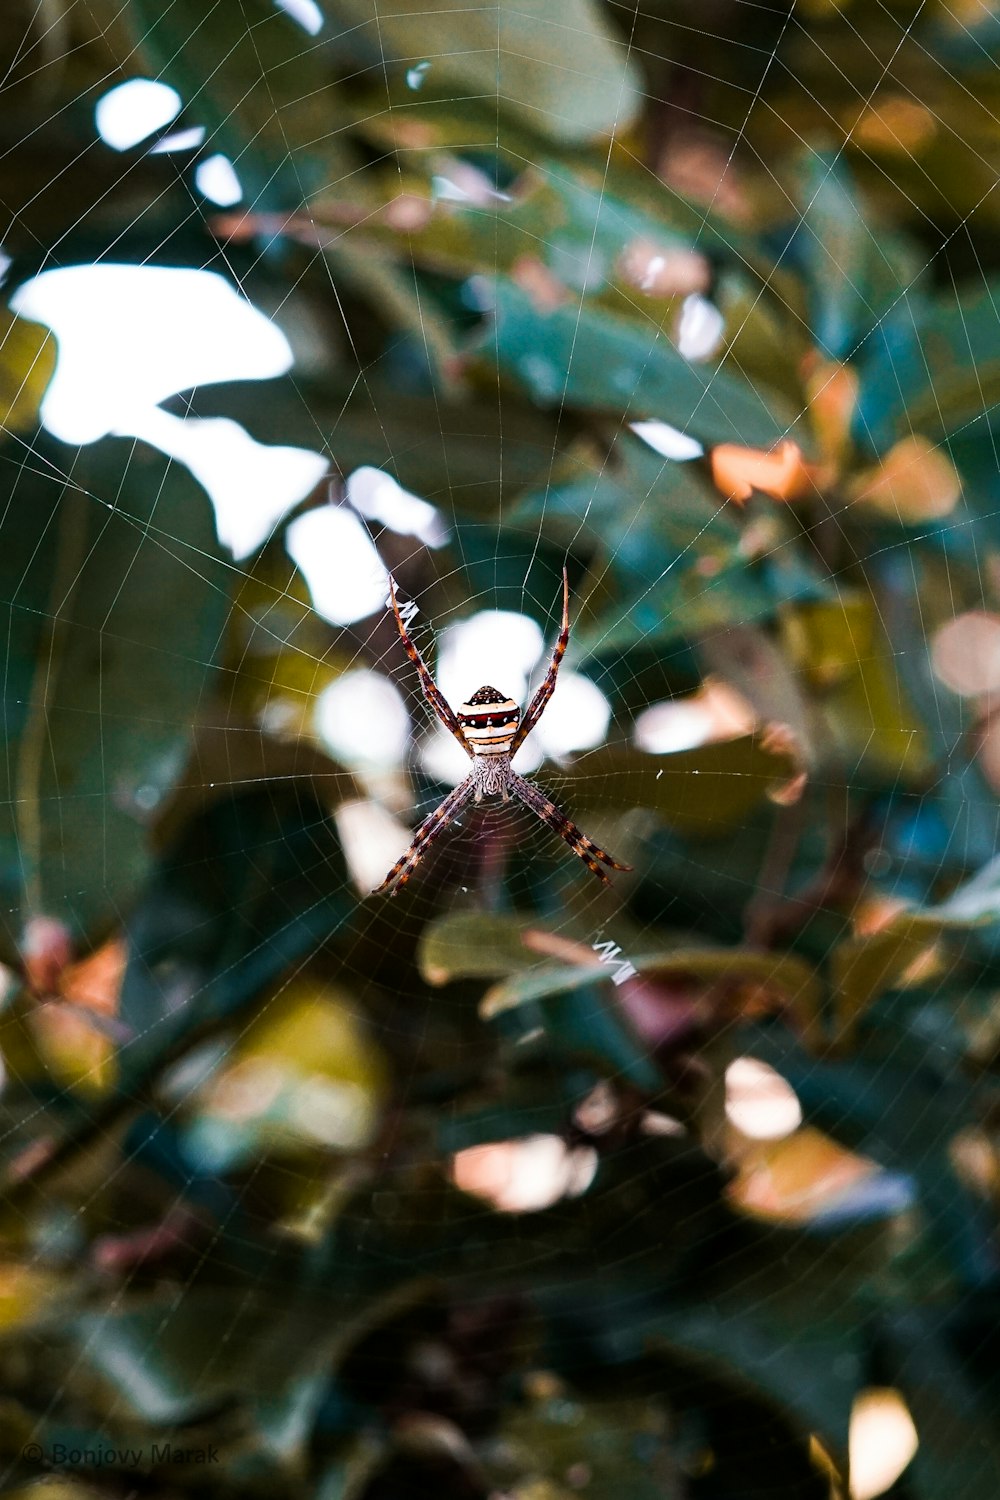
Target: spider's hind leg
{"x": 429, "y": 830}
{"x": 584, "y": 848}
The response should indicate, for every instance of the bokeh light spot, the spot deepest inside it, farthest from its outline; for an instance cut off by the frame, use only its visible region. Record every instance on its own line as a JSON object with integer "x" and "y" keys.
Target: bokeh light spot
{"x": 362, "y": 719}
{"x": 966, "y": 653}
{"x": 525, "y": 1176}
{"x": 759, "y": 1102}
{"x": 305, "y": 13}
{"x": 882, "y": 1441}
{"x": 130, "y": 336}
{"x": 127, "y": 114}
{"x": 378, "y": 497}
{"x": 216, "y": 180}
{"x": 347, "y": 579}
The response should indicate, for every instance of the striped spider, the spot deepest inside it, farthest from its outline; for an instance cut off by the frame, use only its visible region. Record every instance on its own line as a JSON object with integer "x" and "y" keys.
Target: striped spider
{"x": 490, "y": 729}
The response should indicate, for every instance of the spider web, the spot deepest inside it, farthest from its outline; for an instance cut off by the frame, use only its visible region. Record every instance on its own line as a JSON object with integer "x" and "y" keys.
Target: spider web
{"x": 714, "y": 868}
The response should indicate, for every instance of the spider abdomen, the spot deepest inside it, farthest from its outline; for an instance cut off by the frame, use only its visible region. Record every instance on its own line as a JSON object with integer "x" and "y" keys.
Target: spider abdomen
{"x": 489, "y": 722}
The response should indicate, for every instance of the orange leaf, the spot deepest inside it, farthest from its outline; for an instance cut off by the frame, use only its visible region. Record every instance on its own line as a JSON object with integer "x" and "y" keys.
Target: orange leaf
{"x": 783, "y": 473}
{"x": 791, "y": 1180}
{"x": 832, "y": 392}
{"x": 897, "y": 124}
{"x": 663, "y": 272}
{"x": 544, "y": 288}
{"x": 781, "y": 739}
{"x": 95, "y": 982}
{"x": 916, "y": 481}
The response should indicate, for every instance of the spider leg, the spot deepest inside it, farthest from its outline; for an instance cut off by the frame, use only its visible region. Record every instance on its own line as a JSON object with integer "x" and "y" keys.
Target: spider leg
{"x": 585, "y": 848}
{"x": 425, "y": 835}
{"x": 432, "y": 692}
{"x": 536, "y": 707}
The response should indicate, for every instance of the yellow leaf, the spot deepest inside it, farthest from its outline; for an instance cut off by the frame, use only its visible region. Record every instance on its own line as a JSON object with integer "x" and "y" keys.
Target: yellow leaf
{"x": 306, "y": 1075}
{"x": 842, "y": 647}
{"x": 862, "y": 968}
{"x": 76, "y": 1053}
{"x": 70, "y": 1024}
{"x": 27, "y": 359}
{"x": 828, "y": 639}
{"x": 26, "y": 1294}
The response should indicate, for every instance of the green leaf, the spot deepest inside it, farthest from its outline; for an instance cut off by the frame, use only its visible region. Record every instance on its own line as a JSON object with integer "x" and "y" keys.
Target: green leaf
{"x": 578, "y": 1007}
{"x": 953, "y": 1411}
{"x": 846, "y": 1098}
{"x": 247, "y": 889}
{"x": 539, "y": 983}
{"x": 464, "y": 457}
{"x": 766, "y": 328}
{"x": 774, "y": 1320}
{"x": 166, "y": 1361}
{"x": 672, "y": 547}
{"x": 257, "y": 82}
{"x": 562, "y": 71}
{"x": 794, "y": 1345}
{"x": 472, "y": 945}
{"x": 854, "y": 269}
{"x": 115, "y": 595}
{"x": 588, "y": 358}
{"x": 579, "y": 219}
{"x": 540, "y": 1102}
{"x": 171, "y": 1360}
{"x": 700, "y": 790}
{"x": 933, "y": 367}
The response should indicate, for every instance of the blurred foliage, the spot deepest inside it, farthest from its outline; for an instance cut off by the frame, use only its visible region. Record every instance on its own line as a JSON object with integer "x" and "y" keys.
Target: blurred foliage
{"x": 256, "y": 1126}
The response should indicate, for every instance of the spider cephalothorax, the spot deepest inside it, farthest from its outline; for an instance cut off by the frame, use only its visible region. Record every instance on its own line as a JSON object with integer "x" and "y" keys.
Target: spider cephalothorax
{"x": 490, "y": 728}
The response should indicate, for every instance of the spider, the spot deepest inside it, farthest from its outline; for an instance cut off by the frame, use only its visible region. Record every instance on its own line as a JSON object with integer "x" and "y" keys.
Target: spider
{"x": 491, "y": 729}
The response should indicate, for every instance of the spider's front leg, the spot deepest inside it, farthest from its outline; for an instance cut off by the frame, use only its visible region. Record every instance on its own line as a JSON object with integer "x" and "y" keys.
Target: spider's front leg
{"x": 429, "y": 687}
{"x": 536, "y": 707}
